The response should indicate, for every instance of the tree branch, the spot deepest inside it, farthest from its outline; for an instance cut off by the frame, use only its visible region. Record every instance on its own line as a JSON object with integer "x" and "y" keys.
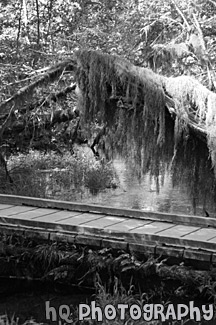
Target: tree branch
{"x": 181, "y": 14}
{"x": 38, "y": 22}
{"x": 52, "y": 74}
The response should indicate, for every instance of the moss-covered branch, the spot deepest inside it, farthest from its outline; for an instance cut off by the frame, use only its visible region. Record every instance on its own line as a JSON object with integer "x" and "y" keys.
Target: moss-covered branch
{"x": 146, "y": 114}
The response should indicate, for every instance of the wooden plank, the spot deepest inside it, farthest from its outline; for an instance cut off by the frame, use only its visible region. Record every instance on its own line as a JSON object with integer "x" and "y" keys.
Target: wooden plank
{"x": 40, "y": 226}
{"x": 32, "y": 214}
{"x": 197, "y": 255}
{"x": 214, "y": 258}
{"x": 62, "y": 236}
{"x": 111, "y": 243}
{"x": 88, "y": 240}
{"x": 13, "y": 210}
{"x": 177, "y": 252}
{"x": 142, "y": 238}
{"x": 34, "y": 234}
{"x": 25, "y": 223}
{"x": 178, "y": 231}
{"x": 152, "y": 228}
{"x": 203, "y": 234}
{"x": 212, "y": 240}
{"x": 130, "y": 213}
{"x": 81, "y": 219}
{"x": 5, "y": 206}
{"x": 104, "y": 222}
{"x": 127, "y": 225}
{"x": 148, "y": 248}
{"x": 57, "y": 216}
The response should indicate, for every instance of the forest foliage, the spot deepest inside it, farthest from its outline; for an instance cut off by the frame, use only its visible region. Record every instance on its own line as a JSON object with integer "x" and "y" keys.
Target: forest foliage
{"x": 173, "y": 39}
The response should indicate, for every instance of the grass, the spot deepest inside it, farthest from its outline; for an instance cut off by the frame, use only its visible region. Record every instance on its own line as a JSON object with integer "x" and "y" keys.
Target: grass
{"x": 120, "y": 296}
{"x": 53, "y": 175}
{"x": 6, "y": 320}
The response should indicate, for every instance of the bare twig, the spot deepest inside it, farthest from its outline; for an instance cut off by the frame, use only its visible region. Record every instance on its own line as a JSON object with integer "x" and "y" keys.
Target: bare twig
{"x": 200, "y": 33}
{"x": 38, "y": 22}
{"x": 210, "y": 70}
{"x": 50, "y": 75}
{"x": 49, "y": 16}
{"x": 181, "y": 14}
{"x": 19, "y": 27}
{"x": 25, "y": 20}
{"x": 212, "y": 2}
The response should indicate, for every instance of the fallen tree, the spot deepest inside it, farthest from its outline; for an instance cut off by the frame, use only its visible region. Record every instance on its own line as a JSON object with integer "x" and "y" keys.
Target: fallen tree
{"x": 145, "y": 115}
{"x": 104, "y": 78}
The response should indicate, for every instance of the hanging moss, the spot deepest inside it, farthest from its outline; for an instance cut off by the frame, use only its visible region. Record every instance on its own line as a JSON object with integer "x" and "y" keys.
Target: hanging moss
{"x": 102, "y": 79}
{"x": 191, "y": 166}
{"x": 195, "y": 105}
{"x": 159, "y": 123}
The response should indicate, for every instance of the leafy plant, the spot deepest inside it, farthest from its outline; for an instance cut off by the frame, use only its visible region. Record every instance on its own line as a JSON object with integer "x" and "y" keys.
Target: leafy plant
{"x": 6, "y": 320}
{"x": 50, "y": 175}
{"x": 81, "y": 266}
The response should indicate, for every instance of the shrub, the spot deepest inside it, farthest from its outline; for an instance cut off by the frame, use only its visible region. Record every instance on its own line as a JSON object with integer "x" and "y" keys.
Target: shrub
{"x": 53, "y": 175}
{"x": 99, "y": 177}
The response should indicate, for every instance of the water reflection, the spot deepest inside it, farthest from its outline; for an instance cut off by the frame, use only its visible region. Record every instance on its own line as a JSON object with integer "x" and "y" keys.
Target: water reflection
{"x": 176, "y": 176}
{"x": 183, "y": 183}
{"x": 142, "y": 194}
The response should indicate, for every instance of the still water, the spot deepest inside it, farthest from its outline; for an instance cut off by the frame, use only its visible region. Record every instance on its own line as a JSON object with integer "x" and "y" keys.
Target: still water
{"x": 29, "y": 306}
{"x": 146, "y": 194}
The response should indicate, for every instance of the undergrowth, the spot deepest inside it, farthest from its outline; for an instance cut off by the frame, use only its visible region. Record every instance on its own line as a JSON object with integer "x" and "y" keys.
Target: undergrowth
{"x": 115, "y": 277}
{"x": 6, "y": 320}
{"x": 51, "y": 175}
{"x": 74, "y": 264}
{"x": 120, "y": 296}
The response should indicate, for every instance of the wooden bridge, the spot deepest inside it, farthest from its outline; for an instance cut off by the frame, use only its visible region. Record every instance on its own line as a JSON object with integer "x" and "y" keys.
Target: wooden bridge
{"x": 178, "y": 236}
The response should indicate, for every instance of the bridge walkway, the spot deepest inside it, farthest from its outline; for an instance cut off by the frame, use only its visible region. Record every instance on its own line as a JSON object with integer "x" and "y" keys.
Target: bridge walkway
{"x": 179, "y": 236}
